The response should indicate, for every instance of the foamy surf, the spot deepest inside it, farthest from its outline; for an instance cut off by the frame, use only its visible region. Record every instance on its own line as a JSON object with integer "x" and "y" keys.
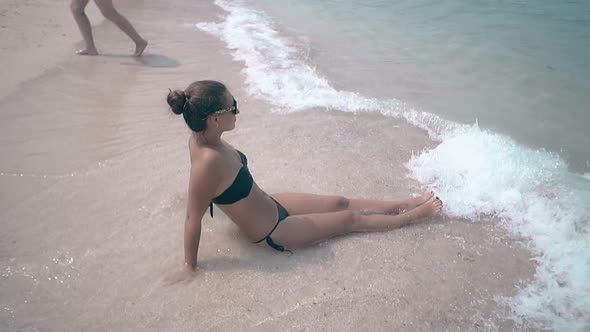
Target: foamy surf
{"x": 479, "y": 173}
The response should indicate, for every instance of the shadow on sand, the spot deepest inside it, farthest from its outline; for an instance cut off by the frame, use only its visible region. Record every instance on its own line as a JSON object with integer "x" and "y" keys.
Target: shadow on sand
{"x": 148, "y": 60}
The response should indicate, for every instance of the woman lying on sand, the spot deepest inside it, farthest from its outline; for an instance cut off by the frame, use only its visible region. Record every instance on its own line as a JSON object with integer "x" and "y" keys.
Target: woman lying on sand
{"x": 219, "y": 174}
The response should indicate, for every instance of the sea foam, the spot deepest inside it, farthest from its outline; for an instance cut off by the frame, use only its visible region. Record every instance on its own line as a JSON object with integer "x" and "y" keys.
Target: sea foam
{"x": 478, "y": 172}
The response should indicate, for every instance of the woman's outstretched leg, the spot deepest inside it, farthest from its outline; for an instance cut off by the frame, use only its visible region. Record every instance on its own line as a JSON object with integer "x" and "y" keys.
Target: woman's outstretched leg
{"x": 389, "y": 207}
{"x": 299, "y": 231}
{"x": 77, "y": 7}
{"x": 302, "y": 203}
{"x": 108, "y": 10}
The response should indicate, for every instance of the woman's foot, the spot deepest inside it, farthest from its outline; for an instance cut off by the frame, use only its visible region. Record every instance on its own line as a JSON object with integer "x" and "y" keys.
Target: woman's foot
{"x": 139, "y": 47}
{"x": 431, "y": 207}
{"x": 87, "y": 51}
{"x": 412, "y": 203}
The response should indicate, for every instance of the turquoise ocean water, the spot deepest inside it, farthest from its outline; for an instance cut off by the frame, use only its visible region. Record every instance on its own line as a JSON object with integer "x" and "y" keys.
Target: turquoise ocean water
{"x": 518, "y": 67}
{"x": 502, "y": 85}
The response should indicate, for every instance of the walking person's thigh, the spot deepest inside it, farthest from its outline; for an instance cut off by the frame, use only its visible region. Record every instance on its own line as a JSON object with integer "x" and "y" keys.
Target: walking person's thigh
{"x": 78, "y": 6}
{"x": 107, "y": 8}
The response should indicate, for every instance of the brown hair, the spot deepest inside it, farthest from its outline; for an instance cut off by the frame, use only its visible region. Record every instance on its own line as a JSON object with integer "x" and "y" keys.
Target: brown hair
{"x": 197, "y": 101}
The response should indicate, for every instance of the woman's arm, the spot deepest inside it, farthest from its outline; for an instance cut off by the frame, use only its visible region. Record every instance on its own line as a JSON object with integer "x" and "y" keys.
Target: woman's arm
{"x": 203, "y": 183}
{"x": 205, "y": 177}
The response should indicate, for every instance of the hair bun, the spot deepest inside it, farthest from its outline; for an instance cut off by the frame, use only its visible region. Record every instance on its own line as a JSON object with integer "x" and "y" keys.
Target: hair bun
{"x": 176, "y": 99}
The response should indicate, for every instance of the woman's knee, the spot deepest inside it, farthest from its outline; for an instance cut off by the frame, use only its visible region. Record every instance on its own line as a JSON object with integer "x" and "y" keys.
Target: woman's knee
{"x": 341, "y": 203}
{"x": 352, "y": 220}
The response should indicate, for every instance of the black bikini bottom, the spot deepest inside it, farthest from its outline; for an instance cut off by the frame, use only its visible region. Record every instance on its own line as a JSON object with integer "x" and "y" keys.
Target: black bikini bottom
{"x": 282, "y": 215}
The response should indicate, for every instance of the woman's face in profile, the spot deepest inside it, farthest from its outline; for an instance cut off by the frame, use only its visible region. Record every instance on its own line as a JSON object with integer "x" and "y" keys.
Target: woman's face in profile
{"x": 227, "y": 120}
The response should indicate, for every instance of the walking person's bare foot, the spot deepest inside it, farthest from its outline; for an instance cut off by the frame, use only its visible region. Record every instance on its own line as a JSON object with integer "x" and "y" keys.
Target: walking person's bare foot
{"x": 87, "y": 51}
{"x": 139, "y": 47}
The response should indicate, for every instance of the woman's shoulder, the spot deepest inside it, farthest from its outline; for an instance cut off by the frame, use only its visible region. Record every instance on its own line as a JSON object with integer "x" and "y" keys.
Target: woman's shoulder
{"x": 201, "y": 154}
{"x": 205, "y": 155}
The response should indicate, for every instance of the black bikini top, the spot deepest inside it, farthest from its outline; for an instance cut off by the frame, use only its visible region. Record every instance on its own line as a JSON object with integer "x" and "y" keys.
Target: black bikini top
{"x": 239, "y": 189}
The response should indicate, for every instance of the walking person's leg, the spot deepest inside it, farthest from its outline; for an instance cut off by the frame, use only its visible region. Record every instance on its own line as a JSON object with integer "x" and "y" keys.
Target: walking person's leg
{"x": 77, "y": 7}
{"x": 108, "y": 10}
{"x": 299, "y": 231}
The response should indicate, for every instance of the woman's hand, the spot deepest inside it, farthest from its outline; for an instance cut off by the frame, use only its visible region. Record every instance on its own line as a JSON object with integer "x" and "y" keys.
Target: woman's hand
{"x": 184, "y": 276}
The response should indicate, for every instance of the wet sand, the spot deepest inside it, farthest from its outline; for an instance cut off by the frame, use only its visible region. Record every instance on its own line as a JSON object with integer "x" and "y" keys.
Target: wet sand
{"x": 93, "y": 181}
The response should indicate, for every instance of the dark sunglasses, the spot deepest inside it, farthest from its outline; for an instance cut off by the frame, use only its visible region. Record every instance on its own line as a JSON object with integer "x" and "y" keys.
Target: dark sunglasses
{"x": 233, "y": 109}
